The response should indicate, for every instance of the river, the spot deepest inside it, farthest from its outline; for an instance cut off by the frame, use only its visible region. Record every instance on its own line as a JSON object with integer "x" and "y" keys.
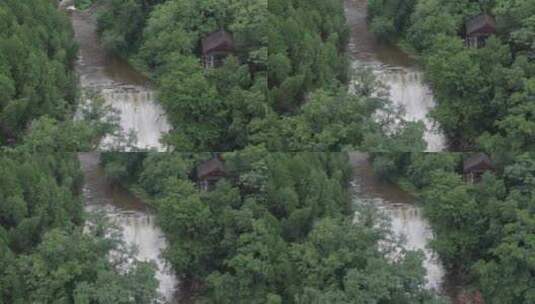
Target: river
{"x": 138, "y": 223}
{"x": 406, "y": 216}
{"x": 398, "y": 71}
{"x": 133, "y": 217}
{"x": 128, "y": 91}
{"x": 121, "y": 86}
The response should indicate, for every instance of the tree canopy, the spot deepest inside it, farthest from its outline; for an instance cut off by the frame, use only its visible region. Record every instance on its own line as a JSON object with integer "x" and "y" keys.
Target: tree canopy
{"x": 39, "y": 95}
{"x": 484, "y": 95}
{"x": 36, "y": 55}
{"x": 51, "y": 250}
{"x": 278, "y": 228}
{"x": 483, "y": 231}
{"x": 286, "y": 86}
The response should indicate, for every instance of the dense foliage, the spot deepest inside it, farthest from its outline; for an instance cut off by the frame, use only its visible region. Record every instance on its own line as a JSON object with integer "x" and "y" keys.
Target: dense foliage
{"x": 307, "y": 40}
{"x": 305, "y": 105}
{"x": 121, "y": 24}
{"x": 278, "y": 229}
{"x": 50, "y": 252}
{"x": 483, "y": 231}
{"x": 210, "y": 110}
{"x": 46, "y": 255}
{"x": 38, "y": 89}
{"x": 36, "y": 55}
{"x": 390, "y": 18}
{"x": 485, "y": 96}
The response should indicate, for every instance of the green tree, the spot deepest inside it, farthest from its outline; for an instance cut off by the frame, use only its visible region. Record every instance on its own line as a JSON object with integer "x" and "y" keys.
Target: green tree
{"x": 278, "y": 229}
{"x": 36, "y": 58}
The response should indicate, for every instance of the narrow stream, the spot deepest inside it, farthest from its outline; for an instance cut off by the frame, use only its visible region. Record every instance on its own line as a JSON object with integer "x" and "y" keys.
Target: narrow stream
{"x": 121, "y": 86}
{"x": 395, "y": 69}
{"x": 406, "y": 216}
{"x": 131, "y": 215}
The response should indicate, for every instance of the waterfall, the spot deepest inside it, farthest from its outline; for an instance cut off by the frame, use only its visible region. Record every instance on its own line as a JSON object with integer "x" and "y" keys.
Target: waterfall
{"x": 408, "y": 222}
{"x": 138, "y": 225}
{"x": 139, "y": 113}
{"x": 406, "y": 217}
{"x": 395, "y": 69}
{"x": 408, "y": 89}
{"x": 121, "y": 86}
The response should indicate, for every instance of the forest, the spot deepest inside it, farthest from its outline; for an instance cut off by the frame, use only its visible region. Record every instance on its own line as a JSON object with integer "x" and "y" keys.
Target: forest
{"x": 51, "y": 250}
{"x": 255, "y": 196}
{"x": 278, "y": 228}
{"x": 38, "y": 87}
{"x": 483, "y": 231}
{"x": 36, "y": 52}
{"x": 300, "y": 103}
{"x": 485, "y": 95}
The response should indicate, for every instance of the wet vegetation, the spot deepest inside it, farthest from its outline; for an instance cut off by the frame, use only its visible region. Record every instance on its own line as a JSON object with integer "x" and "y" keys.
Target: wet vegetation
{"x": 483, "y": 231}
{"x": 278, "y": 228}
{"x": 485, "y": 95}
{"x": 51, "y": 251}
{"x": 36, "y": 55}
{"x": 38, "y": 86}
{"x": 305, "y": 105}
{"x": 46, "y": 254}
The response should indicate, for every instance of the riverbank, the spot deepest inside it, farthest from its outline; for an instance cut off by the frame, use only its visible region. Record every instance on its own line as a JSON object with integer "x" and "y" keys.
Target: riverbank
{"x": 185, "y": 291}
{"x": 400, "y": 199}
{"x": 406, "y": 215}
{"x": 396, "y": 69}
{"x": 400, "y": 206}
{"x": 135, "y": 218}
{"x": 439, "y": 188}
{"x": 231, "y": 219}
{"x": 141, "y": 118}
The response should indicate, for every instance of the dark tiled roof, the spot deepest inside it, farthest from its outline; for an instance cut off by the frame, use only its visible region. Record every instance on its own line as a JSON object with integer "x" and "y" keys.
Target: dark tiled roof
{"x": 210, "y": 166}
{"x": 480, "y": 22}
{"x": 218, "y": 41}
{"x": 476, "y": 160}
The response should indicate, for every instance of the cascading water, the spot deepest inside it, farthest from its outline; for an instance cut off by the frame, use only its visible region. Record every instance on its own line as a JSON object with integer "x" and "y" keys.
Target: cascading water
{"x": 137, "y": 223}
{"x": 128, "y": 92}
{"x": 408, "y": 221}
{"x": 406, "y": 217}
{"x": 395, "y": 69}
{"x": 407, "y": 89}
{"x": 138, "y": 114}
{"x": 122, "y": 87}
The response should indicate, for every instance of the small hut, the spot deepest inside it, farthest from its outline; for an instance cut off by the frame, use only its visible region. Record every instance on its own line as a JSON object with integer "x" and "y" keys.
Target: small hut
{"x": 474, "y": 167}
{"x": 210, "y": 172}
{"x": 216, "y": 47}
{"x": 478, "y": 30}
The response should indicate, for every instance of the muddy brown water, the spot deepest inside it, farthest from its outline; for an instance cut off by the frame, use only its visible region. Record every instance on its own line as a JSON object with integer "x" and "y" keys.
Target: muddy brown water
{"x": 407, "y": 88}
{"x": 121, "y": 86}
{"x": 130, "y": 92}
{"x": 406, "y": 216}
{"x": 397, "y": 70}
{"x": 140, "y": 229}
{"x": 136, "y": 220}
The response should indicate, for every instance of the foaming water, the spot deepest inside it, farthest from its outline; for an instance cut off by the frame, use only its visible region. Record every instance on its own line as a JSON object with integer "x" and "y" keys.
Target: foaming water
{"x": 140, "y": 114}
{"x": 121, "y": 86}
{"x": 136, "y": 221}
{"x": 396, "y": 70}
{"x": 408, "y": 89}
{"x": 406, "y": 217}
{"x": 408, "y": 222}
